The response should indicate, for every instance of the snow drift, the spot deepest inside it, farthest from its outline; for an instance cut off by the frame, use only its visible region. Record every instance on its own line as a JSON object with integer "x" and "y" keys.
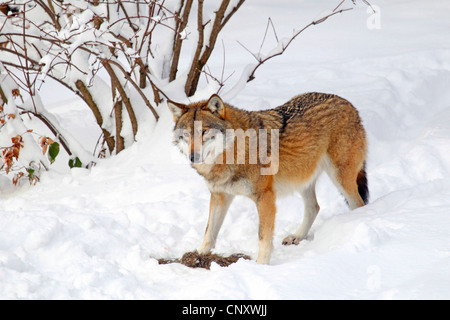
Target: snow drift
{"x": 98, "y": 233}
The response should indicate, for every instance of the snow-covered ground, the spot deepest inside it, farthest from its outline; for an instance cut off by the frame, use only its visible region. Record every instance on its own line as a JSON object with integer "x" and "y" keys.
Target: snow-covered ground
{"x": 98, "y": 233}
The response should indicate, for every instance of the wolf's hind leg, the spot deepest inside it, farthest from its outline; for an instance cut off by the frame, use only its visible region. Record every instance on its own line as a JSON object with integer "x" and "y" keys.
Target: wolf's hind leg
{"x": 218, "y": 207}
{"x": 351, "y": 180}
{"x": 310, "y": 213}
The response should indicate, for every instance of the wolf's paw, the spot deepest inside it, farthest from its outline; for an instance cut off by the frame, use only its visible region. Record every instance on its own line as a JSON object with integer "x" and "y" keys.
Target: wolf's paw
{"x": 204, "y": 250}
{"x": 292, "y": 239}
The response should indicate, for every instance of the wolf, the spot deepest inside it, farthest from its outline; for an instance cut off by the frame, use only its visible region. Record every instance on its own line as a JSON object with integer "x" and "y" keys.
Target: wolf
{"x": 309, "y": 134}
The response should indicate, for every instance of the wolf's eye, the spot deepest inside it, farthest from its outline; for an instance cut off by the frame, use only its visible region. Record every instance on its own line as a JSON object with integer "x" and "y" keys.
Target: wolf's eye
{"x": 183, "y": 136}
{"x": 208, "y": 134}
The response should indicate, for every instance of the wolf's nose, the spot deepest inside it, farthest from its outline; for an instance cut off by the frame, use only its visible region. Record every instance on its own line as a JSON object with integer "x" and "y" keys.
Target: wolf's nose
{"x": 195, "y": 157}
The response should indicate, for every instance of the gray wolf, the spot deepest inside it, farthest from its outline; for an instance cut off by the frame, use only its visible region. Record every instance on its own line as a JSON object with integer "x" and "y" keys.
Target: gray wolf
{"x": 309, "y": 134}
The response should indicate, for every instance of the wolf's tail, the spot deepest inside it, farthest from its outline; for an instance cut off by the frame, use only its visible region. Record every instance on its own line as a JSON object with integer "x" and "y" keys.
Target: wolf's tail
{"x": 363, "y": 186}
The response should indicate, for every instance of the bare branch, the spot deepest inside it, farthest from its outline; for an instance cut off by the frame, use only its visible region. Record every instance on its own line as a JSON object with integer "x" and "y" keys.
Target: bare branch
{"x": 127, "y": 76}
{"x": 124, "y": 96}
{"x": 199, "y": 61}
{"x": 131, "y": 24}
{"x": 52, "y": 128}
{"x": 232, "y": 12}
{"x": 284, "y": 45}
{"x": 51, "y": 13}
{"x": 269, "y": 23}
{"x": 195, "y": 65}
{"x": 96, "y": 111}
{"x": 178, "y": 42}
{"x": 220, "y": 82}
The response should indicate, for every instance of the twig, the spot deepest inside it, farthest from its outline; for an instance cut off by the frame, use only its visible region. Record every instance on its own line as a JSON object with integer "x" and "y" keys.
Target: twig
{"x": 284, "y": 46}
{"x": 220, "y": 82}
{"x": 269, "y": 22}
{"x": 52, "y": 128}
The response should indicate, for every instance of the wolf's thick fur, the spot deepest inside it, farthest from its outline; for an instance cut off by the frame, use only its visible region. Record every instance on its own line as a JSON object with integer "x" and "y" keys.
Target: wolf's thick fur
{"x": 317, "y": 132}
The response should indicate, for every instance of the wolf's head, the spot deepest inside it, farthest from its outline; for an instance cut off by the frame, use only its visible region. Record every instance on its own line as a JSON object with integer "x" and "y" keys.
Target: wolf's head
{"x": 202, "y": 130}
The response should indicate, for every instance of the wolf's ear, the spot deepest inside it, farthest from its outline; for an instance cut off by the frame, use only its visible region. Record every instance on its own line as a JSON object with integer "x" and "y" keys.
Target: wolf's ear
{"x": 216, "y": 105}
{"x": 177, "y": 109}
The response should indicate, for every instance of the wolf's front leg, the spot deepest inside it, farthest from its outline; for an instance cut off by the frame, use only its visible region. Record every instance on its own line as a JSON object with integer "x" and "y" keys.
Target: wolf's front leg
{"x": 218, "y": 207}
{"x": 266, "y": 210}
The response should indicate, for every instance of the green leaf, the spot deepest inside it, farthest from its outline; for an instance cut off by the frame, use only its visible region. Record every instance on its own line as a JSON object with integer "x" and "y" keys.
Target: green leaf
{"x": 75, "y": 163}
{"x": 53, "y": 151}
{"x": 30, "y": 172}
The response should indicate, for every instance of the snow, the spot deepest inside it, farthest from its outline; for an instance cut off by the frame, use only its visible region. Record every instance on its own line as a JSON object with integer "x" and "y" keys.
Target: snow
{"x": 97, "y": 233}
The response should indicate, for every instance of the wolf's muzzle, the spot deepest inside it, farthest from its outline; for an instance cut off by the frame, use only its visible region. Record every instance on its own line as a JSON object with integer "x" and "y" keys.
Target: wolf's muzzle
{"x": 195, "y": 157}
